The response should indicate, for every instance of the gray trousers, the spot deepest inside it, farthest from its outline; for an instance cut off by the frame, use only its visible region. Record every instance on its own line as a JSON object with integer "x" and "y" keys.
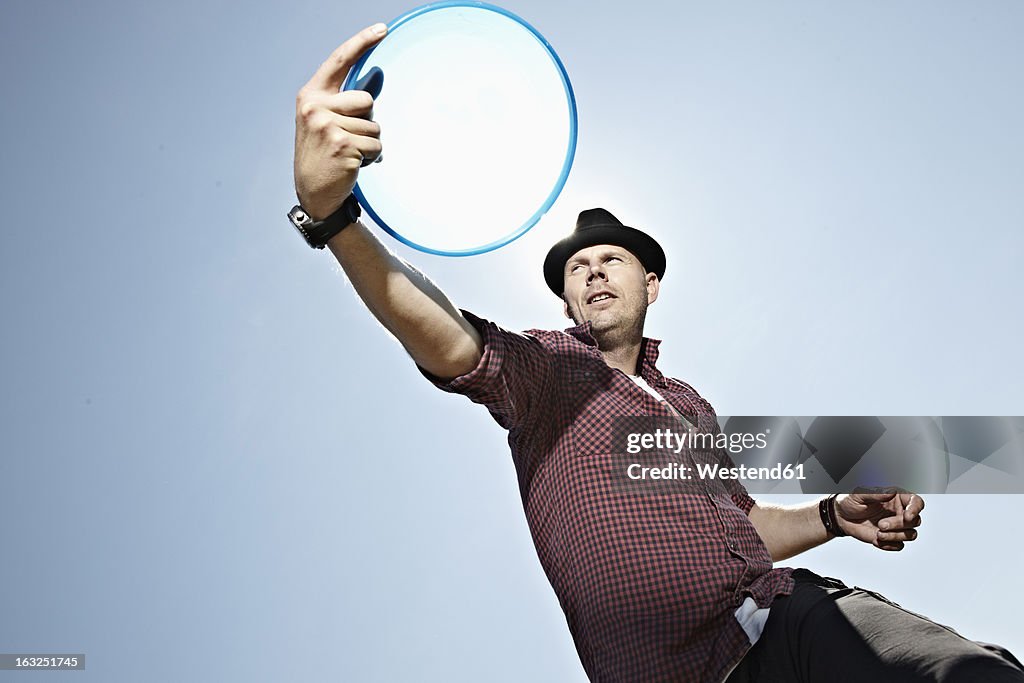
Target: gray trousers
{"x": 827, "y": 632}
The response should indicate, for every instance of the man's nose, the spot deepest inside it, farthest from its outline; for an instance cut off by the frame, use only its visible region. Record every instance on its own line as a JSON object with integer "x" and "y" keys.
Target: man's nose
{"x": 596, "y": 270}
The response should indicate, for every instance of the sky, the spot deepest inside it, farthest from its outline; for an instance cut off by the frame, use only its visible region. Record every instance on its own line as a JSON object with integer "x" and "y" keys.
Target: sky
{"x": 215, "y": 465}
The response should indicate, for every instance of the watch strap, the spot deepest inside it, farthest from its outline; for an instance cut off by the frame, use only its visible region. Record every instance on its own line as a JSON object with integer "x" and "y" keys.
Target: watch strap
{"x": 317, "y": 233}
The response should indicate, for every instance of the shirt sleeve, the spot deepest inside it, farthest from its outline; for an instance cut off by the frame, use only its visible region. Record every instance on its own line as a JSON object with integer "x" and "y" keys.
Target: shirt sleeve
{"x": 510, "y": 377}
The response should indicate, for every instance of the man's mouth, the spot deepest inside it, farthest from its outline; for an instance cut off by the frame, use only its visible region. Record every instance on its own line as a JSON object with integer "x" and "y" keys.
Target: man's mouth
{"x": 598, "y": 297}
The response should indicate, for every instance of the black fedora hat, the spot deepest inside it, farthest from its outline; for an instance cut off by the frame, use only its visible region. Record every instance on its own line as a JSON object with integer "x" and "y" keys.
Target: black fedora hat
{"x": 598, "y": 226}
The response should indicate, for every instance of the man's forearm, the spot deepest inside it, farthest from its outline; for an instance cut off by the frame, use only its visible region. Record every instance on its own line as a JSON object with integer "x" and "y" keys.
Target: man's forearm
{"x": 788, "y": 530}
{"x": 408, "y": 304}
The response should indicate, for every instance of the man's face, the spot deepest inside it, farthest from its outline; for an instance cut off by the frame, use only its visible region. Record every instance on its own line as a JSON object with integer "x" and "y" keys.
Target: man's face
{"x": 608, "y": 286}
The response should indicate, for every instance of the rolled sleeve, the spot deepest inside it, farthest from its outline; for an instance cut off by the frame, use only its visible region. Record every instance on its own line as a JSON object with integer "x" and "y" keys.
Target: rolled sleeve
{"x": 510, "y": 376}
{"x": 739, "y": 495}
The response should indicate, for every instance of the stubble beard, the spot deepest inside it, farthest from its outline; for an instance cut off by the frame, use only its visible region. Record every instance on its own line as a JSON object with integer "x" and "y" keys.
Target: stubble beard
{"x": 622, "y": 328}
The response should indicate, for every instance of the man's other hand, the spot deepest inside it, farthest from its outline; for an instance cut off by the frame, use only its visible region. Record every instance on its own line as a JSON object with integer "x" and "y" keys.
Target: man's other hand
{"x": 886, "y": 519}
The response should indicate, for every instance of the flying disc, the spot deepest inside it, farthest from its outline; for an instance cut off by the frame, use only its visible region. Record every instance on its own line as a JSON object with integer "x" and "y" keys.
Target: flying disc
{"x": 478, "y": 125}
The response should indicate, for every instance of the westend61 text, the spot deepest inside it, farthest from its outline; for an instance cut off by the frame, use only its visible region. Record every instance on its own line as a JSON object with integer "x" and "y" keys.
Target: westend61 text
{"x": 666, "y": 439}
{"x": 713, "y": 471}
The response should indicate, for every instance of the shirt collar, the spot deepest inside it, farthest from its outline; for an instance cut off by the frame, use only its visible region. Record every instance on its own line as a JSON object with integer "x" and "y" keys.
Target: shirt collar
{"x": 648, "y": 360}
{"x": 648, "y": 351}
{"x": 583, "y": 333}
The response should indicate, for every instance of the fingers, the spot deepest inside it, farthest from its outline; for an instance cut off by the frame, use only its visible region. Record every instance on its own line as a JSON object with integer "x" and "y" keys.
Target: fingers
{"x": 332, "y": 72}
{"x": 348, "y": 103}
{"x": 894, "y": 540}
{"x": 370, "y": 148}
{"x": 898, "y": 522}
{"x": 367, "y": 148}
{"x": 896, "y": 536}
{"x": 358, "y": 126}
{"x": 354, "y": 103}
{"x": 905, "y": 516}
{"x": 317, "y": 119}
{"x": 912, "y": 512}
{"x": 894, "y": 532}
{"x": 344, "y": 134}
{"x": 891, "y": 546}
{"x": 363, "y": 136}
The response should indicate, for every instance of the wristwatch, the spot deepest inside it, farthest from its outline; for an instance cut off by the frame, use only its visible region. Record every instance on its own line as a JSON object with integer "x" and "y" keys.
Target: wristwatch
{"x": 316, "y": 233}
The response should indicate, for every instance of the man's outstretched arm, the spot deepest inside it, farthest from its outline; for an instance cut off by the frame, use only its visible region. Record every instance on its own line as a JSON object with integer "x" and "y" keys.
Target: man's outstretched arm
{"x": 334, "y": 138}
{"x": 408, "y": 304}
{"x": 885, "y": 520}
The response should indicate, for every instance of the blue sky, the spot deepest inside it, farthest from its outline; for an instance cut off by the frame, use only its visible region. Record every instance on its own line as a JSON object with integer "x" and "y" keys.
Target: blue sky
{"x": 214, "y": 465}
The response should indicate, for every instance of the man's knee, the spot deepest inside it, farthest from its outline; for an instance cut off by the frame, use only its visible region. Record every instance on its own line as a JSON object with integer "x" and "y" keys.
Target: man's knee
{"x": 996, "y": 665}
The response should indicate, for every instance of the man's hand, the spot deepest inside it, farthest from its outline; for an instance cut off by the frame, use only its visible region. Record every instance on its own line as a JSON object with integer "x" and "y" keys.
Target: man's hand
{"x": 334, "y": 133}
{"x": 886, "y": 520}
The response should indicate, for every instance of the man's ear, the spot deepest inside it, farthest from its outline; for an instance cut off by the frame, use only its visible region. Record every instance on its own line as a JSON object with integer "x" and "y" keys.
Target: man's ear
{"x": 653, "y": 287}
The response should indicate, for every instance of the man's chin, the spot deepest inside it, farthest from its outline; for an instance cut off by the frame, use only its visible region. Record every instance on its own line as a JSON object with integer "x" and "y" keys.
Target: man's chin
{"x": 601, "y": 322}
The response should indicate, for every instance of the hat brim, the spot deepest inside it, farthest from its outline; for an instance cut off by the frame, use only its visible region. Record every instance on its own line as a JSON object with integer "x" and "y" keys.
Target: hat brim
{"x": 642, "y": 245}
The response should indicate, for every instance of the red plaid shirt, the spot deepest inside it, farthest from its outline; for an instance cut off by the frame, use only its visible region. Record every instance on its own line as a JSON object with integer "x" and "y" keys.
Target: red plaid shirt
{"x": 649, "y": 583}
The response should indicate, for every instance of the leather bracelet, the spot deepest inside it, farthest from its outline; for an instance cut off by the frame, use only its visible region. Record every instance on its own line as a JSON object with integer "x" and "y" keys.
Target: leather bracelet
{"x": 317, "y": 233}
{"x": 827, "y": 512}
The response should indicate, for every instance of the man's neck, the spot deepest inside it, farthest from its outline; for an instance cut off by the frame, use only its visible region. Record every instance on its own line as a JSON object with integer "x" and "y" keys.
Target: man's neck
{"x": 622, "y": 355}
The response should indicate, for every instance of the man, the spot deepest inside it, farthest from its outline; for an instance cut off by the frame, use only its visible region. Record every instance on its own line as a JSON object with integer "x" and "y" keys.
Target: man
{"x": 654, "y": 587}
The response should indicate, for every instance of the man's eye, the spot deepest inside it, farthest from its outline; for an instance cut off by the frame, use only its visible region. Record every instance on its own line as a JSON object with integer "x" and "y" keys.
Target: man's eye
{"x": 575, "y": 268}
{"x": 613, "y": 258}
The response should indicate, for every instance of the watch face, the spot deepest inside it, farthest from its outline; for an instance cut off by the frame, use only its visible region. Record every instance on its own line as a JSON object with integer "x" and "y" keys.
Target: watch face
{"x": 302, "y": 222}
{"x": 478, "y": 121}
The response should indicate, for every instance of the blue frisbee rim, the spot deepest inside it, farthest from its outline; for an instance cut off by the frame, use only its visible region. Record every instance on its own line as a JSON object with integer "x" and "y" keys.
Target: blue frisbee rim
{"x": 570, "y": 151}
